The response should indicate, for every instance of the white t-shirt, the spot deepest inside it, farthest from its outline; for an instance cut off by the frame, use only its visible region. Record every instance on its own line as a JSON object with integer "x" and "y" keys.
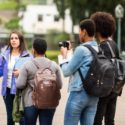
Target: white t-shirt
{"x": 68, "y": 57}
{"x": 11, "y": 64}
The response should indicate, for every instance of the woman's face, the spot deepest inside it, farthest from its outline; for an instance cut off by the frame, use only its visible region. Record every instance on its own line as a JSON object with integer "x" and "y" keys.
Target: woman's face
{"x": 14, "y": 40}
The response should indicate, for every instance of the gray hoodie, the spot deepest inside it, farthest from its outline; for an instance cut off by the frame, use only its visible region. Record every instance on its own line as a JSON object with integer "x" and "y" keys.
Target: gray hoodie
{"x": 25, "y": 80}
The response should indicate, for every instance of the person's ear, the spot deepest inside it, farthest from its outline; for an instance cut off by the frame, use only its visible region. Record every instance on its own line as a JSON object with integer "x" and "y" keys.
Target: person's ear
{"x": 33, "y": 52}
{"x": 84, "y": 32}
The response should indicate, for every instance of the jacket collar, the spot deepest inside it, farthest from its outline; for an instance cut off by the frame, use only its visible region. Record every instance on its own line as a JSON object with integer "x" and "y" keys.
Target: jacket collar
{"x": 93, "y": 43}
{"x": 24, "y": 54}
{"x": 7, "y": 53}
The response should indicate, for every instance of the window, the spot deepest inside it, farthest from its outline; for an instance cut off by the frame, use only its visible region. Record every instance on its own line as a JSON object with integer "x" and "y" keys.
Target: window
{"x": 56, "y": 18}
{"x": 40, "y": 18}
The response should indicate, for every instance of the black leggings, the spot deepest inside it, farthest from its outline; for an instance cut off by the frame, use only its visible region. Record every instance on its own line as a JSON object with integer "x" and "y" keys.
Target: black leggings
{"x": 106, "y": 108}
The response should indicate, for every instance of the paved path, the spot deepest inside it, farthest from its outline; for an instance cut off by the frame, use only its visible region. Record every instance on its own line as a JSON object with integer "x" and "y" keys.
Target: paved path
{"x": 59, "y": 116}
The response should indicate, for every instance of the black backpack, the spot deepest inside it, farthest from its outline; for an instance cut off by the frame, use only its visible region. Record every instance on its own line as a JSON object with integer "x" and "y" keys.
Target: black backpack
{"x": 100, "y": 78}
{"x": 120, "y": 71}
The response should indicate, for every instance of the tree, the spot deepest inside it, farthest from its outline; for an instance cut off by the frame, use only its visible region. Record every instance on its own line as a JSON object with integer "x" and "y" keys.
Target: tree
{"x": 18, "y": 4}
{"x": 80, "y": 9}
{"x": 61, "y": 6}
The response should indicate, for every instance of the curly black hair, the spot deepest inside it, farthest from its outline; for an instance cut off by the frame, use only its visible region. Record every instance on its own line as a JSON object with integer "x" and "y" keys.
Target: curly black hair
{"x": 105, "y": 23}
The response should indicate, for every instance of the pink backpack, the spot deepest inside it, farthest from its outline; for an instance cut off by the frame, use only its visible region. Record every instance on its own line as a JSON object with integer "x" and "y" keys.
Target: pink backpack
{"x": 46, "y": 93}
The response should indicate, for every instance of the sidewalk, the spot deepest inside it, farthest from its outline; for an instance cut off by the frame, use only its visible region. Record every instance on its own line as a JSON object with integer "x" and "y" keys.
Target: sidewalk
{"x": 59, "y": 115}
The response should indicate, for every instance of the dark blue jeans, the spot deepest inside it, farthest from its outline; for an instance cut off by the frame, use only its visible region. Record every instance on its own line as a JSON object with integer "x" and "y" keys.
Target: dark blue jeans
{"x": 8, "y": 99}
{"x": 45, "y": 115}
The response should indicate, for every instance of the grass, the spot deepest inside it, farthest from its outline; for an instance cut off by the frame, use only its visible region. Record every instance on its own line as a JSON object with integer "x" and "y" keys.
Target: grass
{"x": 11, "y": 4}
{"x": 53, "y": 54}
{"x": 8, "y": 5}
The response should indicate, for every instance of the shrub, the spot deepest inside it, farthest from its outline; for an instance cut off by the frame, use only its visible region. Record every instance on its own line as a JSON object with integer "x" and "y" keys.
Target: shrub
{"x": 61, "y": 37}
{"x": 53, "y": 37}
{"x": 53, "y": 55}
{"x": 12, "y": 24}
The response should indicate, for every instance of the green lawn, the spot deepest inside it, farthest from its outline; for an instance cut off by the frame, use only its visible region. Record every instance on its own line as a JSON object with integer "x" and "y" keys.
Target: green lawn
{"x": 12, "y": 4}
{"x": 53, "y": 54}
{"x": 8, "y": 5}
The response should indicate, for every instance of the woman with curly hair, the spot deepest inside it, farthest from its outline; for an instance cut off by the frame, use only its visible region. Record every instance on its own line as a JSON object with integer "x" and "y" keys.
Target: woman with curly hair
{"x": 105, "y": 27}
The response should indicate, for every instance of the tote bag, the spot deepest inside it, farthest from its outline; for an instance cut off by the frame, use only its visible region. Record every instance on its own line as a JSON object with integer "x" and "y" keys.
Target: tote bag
{"x": 18, "y": 109}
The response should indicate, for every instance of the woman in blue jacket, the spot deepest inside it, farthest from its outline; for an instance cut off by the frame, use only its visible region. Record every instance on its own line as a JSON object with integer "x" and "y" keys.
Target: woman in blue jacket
{"x": 10, "y": 63}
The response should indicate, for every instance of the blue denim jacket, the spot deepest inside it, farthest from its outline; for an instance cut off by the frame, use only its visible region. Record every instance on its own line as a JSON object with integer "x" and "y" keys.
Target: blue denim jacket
{"x": 4, "y": 69}
{"x": 82, "y": 58}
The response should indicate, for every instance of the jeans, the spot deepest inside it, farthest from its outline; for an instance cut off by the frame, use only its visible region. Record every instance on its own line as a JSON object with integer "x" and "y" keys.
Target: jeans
{"x": 8, "y": 100}
{"x": 45, "y": 115}
{"x": 106, "y": 108}
{"x": 80, "y": 107}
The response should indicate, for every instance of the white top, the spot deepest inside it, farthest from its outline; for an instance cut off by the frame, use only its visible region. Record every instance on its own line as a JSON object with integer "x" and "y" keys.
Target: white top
{"x": 69, "y": 55}
{"x": 11, "y": 63}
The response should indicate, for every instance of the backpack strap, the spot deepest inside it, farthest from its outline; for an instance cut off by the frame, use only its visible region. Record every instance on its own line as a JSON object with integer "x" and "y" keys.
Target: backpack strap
{"x": 40, "y": 66}
{"x": 114, "y": 50}
{"x": 36, "y": 64}
{"x": 111, "y": 50}
{"x": 80, "y": 73}
{"x": 94, "y": 53}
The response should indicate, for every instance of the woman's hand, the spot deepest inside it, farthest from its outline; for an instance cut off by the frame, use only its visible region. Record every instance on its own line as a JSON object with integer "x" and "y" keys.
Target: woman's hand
{"x": 16, "y": 72}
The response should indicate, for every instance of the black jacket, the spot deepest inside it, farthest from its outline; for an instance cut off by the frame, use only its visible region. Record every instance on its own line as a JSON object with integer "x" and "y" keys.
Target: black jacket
{"x": 104, "y": 46}
{"x": 107, "y": 51}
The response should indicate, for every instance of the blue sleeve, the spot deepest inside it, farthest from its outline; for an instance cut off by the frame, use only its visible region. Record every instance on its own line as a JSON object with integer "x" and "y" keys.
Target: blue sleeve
{"x": 76, "y": 61}
{"x": 21, "y": 62}
{"x": 1, "y": 65}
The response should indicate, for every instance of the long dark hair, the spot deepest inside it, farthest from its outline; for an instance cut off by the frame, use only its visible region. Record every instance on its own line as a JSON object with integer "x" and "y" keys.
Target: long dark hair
{"x": 22, "y": 46}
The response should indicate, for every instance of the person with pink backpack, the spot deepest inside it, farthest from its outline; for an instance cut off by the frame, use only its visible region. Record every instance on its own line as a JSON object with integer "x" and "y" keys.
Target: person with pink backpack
{"x": 39, "y": 97}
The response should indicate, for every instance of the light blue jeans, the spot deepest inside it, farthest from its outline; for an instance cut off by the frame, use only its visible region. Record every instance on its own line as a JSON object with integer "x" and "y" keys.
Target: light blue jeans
{"x": 80, "y": 107}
